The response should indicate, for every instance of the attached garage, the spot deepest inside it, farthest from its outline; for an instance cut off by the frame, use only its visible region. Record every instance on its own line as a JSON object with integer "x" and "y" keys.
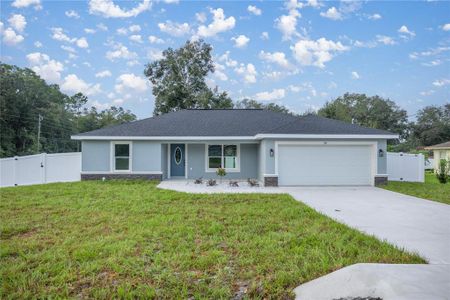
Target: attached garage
{"x": 337, "y": 163}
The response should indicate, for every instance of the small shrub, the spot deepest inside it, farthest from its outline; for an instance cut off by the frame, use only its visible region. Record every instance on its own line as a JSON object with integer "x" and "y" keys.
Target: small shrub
{"x": 442, "y": 171}
{"x": 234, "y": 183}
{"x": 211, "y": 182}
{"x": 221, "y": 173}
{"x": 252, "y": 182}
{"x": 198, "y": 180}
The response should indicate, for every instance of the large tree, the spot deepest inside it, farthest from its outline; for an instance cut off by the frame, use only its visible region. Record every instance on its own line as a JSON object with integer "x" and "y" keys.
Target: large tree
{"x": 25, "y": 97}
{"x": 179, "y": 79}
{"x": 253, "y": 104}
{"x": 369, "y": 111}
{"x": 432, "y": 125}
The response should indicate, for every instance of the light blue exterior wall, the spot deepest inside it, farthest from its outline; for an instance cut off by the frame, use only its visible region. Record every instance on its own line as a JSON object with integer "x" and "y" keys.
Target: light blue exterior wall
{"x": 164, "y": 160}
{"x": 382, "y": 161}
{"x": 146, "y": 156}
{"x": 95, "y": 156}
{"x": 248, "y": 162}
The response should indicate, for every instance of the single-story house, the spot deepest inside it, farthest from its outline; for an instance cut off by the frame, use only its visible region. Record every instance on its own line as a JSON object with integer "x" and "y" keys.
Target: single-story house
{"x": 440, "y": 151}
{"x": 277, "y": 149}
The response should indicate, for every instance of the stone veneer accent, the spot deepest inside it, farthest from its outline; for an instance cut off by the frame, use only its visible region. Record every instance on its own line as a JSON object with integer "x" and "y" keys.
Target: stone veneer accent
{"x": 271, "y": 181}
{"x": 381, "y": 180}
{"x": 121, "y": 176}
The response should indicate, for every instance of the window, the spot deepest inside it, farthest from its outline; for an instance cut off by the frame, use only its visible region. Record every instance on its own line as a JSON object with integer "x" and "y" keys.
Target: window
{"x": 178, "y": 155}
{"x": 121, "y": 157}
{"x": 222, "y": 156}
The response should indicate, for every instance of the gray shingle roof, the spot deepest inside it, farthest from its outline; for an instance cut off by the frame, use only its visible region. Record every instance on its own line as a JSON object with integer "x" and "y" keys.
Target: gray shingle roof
{"x": 445, "y": 145}
{"x": 231, "y": 122}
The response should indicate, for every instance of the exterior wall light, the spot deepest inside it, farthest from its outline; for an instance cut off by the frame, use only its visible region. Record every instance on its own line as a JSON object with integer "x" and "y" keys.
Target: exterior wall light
{"x": 271, "y": 152}
{"x": 380, "y": 153}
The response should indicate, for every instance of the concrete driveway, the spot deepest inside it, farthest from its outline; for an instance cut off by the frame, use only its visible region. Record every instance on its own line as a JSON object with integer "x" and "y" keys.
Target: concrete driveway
{"x": 412, "y": 223}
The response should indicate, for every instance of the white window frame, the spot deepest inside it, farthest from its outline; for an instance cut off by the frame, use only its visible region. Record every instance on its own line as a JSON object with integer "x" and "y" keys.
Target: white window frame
{"x": 113, "y": 157}
{"x": 230, "y": 170}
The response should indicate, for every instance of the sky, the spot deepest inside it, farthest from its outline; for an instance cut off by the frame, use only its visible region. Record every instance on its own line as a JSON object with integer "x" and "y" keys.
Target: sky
{"x": 300, "y": 54}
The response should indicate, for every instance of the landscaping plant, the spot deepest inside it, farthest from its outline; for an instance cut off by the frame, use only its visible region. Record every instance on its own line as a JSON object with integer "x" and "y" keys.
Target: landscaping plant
{"x": 221, "y": 173}
{"x": 211, "y": 182}
{"x": 442, "y": 171}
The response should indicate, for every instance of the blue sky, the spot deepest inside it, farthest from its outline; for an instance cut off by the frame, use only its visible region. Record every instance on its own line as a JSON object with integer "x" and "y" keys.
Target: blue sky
{"x": 298, "y": 54}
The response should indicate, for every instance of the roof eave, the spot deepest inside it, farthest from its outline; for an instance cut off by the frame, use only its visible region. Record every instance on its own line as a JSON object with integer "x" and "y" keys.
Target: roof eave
{"x": 255, "y": 137}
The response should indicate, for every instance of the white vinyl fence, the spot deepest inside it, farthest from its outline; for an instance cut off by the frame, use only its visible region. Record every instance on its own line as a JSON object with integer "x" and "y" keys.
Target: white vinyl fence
{"x": 405, "y": 167}
{"x": 40, "y": 168}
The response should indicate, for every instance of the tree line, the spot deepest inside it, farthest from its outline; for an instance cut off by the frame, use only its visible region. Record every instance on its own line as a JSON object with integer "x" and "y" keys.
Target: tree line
{"x": 179, "y": 82}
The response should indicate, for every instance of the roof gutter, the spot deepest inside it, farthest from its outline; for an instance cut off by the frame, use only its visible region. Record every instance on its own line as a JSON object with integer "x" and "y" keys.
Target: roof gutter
{"x": 234, "y": 138}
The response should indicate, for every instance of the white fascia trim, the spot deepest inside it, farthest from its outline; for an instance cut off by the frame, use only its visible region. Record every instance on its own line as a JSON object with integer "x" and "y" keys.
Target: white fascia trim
{"x": 270, "y": 175}
{"x": 326, "y": 136}
{"x": 381, "y": 175}
{"x": 164, "y": 138}
{"x": 234, "y": 138}
{"x": 127, "y": 172}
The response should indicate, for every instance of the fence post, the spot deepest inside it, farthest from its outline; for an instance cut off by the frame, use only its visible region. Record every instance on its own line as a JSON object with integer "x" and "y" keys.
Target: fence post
{"x": 16, "y": 158}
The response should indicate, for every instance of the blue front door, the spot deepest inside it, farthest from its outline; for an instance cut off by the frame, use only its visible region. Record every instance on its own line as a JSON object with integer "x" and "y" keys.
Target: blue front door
{"x": 177, "y": 160}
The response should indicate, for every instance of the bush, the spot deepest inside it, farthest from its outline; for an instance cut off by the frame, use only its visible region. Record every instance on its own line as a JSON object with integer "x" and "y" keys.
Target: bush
{"x": 221, "y": 173}
{"x": 211, "y": 182}
{"x": 442, "y": 172}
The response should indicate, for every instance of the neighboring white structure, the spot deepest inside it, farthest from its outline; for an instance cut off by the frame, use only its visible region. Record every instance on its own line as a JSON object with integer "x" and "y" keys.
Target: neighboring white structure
{"x": 40, "y": 168}
{"x": 405, "y": 167}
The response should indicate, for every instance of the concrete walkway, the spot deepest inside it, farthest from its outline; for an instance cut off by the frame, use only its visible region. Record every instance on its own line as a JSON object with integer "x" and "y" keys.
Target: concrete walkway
{"x": 414, "y": 224}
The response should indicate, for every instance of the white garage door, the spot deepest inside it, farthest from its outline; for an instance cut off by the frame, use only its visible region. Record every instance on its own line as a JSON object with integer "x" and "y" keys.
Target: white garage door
{"x": 324, "y": 165}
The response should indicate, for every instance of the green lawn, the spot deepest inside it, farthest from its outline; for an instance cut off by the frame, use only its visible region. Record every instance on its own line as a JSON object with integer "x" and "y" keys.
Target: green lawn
{"x": 131, "y": 240}
{"x": 431, "y": 189}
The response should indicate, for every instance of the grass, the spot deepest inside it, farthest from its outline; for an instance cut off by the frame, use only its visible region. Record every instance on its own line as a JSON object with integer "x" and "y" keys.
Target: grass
{"x": 131, "y": 240}
{"x": 431, "y": 189}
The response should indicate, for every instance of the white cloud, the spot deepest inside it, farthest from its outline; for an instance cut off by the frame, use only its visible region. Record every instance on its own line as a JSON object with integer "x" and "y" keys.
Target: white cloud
{"x": 254, "y": 10}
{"x": 174, "y": 29}
{"x": 68, "y": 49}
{"x": 427, "y": 93}
{"x": 446, "y": 27}
{"x": 287, "y": 24}
{"x": 122, "y": 31}
{"x": 355, "y": 75}
{"x": 130, "y": 83}
{"x": 201, "y": 17}
{"x": 89, "y": 30}
{"x": 405, "y": 30}
{"x": 49, "y": 69}
{"x": 72, "y": 14}
{"x": 136, "y": 38}
{"x": 432, "y": 63}
{"x": 218, "y": 25}
{"x": 102, "y": 74}
{"x": 59, "y": 35}
{"x": 26, "y": 3}
{"x": 171, "y": 1}
{"x": 278, "y": 58}
{"x": 134, "y": 28}
{"x": 107, "y": 9}
{"x": 316, "y": 53}
{"x": 73, "y": 84}
{"x": 10, "y": 37}
{"x": 120, "y": 52}
{"x": 155, "y": 54}
{"x": 386, "y": 40}
{"x": 332, "y": 13}
{"x": 248, "y": 72}
{"x": 82, "y": 43}
{"x": 274, "y": 95}
{"x": 265, "y": 35}
{"x": 17, "y": 22}
{"x": 219, "y": 71}
{"x": 227, "y": 60}
{"x": 240, "y": 41}
{"x": 155, "y": 40}
{"x": 102, "y": 27}
{"x": 374, "y": 17}
{"x": 441, "y": 82}
{"x": 38, "y": 44}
